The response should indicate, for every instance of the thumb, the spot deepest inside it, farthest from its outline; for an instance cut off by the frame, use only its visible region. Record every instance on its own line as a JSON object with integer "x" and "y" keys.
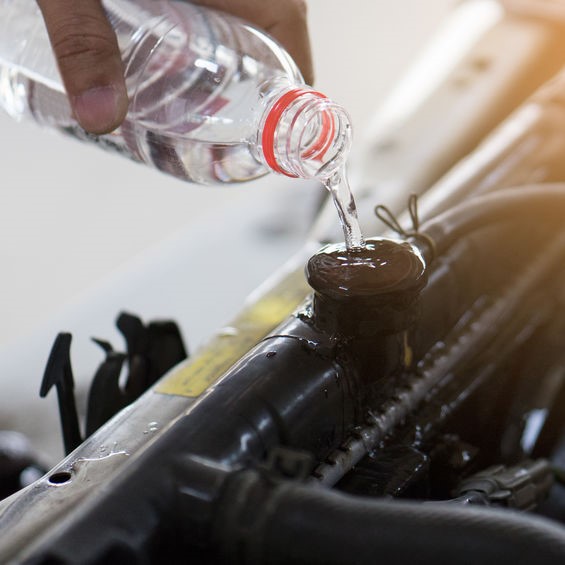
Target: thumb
{"x": 86, "y": 50}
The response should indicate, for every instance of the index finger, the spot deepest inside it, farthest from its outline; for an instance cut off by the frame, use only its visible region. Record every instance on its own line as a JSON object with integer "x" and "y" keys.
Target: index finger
{"x": 88, "y": 57}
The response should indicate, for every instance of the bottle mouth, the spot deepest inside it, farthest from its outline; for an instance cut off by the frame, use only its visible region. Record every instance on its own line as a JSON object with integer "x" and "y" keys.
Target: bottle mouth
{"x": 305, "y": 135}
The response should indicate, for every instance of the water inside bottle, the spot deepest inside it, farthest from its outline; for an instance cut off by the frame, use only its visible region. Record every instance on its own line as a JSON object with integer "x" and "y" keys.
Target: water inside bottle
{"x": 193, "y": 77}
{"x": 338, "y": 185}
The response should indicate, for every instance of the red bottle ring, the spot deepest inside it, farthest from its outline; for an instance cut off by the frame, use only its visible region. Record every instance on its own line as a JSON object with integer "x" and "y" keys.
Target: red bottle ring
{"x": 272, "y": 122}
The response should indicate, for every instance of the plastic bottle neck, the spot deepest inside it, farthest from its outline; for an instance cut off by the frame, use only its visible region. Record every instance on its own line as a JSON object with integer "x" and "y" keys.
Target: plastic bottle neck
{"x": 304, "y": 134}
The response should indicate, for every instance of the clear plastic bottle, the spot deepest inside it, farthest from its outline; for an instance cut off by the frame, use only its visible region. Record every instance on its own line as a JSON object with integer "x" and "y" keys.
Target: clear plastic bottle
{"x": 212, "y": 99}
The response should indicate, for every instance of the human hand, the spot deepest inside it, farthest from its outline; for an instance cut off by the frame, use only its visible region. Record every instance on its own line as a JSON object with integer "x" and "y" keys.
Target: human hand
{"x": 86, "y": 50}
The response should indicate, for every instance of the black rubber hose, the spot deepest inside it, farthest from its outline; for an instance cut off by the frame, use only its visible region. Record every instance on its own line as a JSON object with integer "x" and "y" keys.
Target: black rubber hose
{"x": 288, "y": 523}
{"x": 543, "y": 203}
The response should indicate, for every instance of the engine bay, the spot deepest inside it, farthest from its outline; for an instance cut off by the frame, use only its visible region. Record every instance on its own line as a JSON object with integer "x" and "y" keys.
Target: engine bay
{"x": 401, "y": 404}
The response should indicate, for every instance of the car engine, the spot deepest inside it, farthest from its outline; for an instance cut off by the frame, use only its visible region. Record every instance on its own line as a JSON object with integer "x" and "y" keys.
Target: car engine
{"x": 401, "y": 407}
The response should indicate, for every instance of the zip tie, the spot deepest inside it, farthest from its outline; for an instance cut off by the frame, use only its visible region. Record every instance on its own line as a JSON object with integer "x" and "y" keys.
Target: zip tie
{"x": 384, "y": 214}
{"x": 413, "y": 210}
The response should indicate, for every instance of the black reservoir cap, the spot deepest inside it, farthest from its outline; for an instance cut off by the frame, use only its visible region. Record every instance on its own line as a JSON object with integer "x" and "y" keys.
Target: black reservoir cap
{"x": 372, "y": 288}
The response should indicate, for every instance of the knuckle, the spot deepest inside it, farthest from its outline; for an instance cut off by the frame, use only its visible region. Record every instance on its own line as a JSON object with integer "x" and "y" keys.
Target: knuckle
{"x": 300, "y": 8}
{"x": 287, "y": 13}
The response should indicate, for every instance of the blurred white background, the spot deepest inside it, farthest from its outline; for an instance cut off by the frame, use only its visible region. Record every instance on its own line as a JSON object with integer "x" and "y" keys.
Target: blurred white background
{"x": 86, "y": 234}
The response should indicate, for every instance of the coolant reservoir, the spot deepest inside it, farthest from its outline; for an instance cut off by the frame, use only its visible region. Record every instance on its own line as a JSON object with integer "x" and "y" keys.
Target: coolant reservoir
{"x": 358, "y": 292}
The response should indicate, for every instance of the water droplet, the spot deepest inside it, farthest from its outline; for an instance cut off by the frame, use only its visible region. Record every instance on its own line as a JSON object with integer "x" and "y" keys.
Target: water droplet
{"x": 228, "y": 331}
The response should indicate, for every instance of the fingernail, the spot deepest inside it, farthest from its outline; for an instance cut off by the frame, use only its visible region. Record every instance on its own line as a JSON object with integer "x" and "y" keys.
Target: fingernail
{"x": 98, "y": 110}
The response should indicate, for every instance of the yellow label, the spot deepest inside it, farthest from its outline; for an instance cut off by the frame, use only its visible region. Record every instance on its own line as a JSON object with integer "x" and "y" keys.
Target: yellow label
{"x": 193, "y": 377}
